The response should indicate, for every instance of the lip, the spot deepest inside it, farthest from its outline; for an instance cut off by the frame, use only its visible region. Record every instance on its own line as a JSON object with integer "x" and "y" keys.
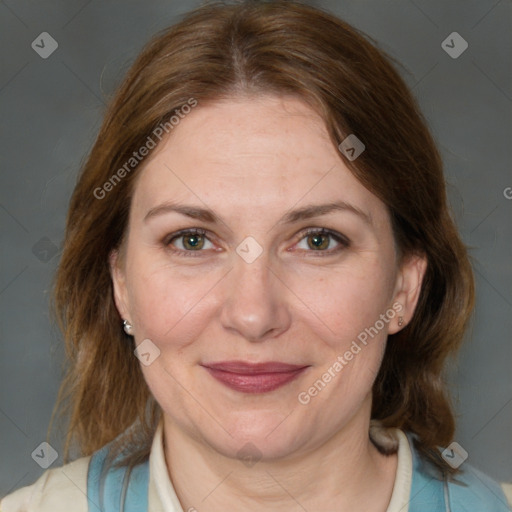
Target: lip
{"x": 254, "y": 377}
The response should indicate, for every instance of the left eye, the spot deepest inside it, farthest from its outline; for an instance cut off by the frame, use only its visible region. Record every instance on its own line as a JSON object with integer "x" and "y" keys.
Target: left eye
{"x": 320, "y": 240}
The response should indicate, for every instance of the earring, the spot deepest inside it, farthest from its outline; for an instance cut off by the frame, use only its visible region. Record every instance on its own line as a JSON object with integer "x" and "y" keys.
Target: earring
{"x": 400, "y": 321}
{"x": 128, "y": 327}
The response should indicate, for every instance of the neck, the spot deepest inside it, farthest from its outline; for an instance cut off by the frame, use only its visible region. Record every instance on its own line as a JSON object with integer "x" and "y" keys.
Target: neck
{"x": 345, "y": 470}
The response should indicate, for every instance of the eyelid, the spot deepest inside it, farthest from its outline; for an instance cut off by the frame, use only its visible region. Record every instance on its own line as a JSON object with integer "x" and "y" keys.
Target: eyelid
{"x": 196, "y": 231}
{"x": 323, "y": 231}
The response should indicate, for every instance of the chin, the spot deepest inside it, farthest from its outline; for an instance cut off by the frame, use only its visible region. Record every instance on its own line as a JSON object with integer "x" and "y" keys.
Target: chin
{"x": 251, "y": 449}
{"x": 258, "y": 435}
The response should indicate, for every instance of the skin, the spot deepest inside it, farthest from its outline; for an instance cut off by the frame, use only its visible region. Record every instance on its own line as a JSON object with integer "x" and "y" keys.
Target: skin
{"x": 251, "y": 160}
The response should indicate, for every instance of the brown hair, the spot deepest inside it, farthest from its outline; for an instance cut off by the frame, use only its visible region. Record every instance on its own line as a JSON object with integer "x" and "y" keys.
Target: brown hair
{"x": 219, "y": 51}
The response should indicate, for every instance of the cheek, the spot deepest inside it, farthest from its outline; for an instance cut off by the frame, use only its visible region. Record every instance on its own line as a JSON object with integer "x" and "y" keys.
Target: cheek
{"x": 350, "y": 337}
{"x": 170, "y": 307}
{"x": 344, "y": 301}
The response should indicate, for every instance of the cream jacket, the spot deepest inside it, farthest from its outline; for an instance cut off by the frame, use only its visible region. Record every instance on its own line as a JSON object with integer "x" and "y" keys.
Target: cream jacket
{"x": 64, "y": 489}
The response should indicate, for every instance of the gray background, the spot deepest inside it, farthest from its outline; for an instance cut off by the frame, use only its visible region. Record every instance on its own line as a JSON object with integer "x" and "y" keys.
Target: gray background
{"x": 51, "y": 109}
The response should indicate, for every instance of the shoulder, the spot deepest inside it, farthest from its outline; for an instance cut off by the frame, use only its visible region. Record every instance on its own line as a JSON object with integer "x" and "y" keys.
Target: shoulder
{"x": 57, "y": 490}
{"x": 469, "y": 489}
{"x": 480, "y": 491}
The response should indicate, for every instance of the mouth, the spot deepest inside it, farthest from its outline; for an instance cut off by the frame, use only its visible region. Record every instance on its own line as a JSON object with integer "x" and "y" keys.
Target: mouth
{"x": 248, "y": 377}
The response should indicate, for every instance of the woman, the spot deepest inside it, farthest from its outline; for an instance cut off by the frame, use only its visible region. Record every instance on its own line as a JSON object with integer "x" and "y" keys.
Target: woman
{"x": 261, "y": 283}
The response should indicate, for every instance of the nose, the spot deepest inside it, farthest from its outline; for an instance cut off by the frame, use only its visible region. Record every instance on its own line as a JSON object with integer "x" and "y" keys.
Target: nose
{"x": 255, "y": 306}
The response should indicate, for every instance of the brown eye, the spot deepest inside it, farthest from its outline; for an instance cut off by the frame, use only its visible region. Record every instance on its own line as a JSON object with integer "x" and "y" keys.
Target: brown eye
{"x": 318, "y": 241}
{"x": 193, "y": 241}
{"x": 321, "y": 240}
{"x": 188, "y": 241}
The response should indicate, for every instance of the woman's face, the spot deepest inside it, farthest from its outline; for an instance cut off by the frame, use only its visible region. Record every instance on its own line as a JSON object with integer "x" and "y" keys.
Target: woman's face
{"x": 254, "y": 174}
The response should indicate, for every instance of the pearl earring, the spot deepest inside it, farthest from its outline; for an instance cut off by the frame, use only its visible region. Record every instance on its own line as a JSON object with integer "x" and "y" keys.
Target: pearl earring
{"x": 128, "y": 327}
{"x": 400, "y": 321}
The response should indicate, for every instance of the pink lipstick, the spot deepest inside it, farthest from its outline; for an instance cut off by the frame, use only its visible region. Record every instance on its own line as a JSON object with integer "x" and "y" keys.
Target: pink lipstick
{"x": 254, "y": 377}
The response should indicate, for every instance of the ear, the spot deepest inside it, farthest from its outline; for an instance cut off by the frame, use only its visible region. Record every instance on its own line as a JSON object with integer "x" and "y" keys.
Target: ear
{"x": 118, "y": 277}
{"x": 407, "y": 290}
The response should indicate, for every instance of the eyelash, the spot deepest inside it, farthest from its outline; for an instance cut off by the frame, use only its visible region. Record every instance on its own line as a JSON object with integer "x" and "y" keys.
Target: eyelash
{"x": 341, "y": 239}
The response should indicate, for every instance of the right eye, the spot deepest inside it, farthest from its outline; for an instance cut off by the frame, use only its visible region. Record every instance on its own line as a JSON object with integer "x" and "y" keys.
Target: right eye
{"x": 191, "y": 241}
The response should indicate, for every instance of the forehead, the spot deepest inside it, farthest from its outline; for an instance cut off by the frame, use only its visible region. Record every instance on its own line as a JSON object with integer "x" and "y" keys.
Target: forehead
{"x": 261, "y": 154}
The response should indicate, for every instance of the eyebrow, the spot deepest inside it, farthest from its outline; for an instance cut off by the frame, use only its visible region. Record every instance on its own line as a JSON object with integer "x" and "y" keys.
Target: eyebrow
{"x": 307, "y": 212}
